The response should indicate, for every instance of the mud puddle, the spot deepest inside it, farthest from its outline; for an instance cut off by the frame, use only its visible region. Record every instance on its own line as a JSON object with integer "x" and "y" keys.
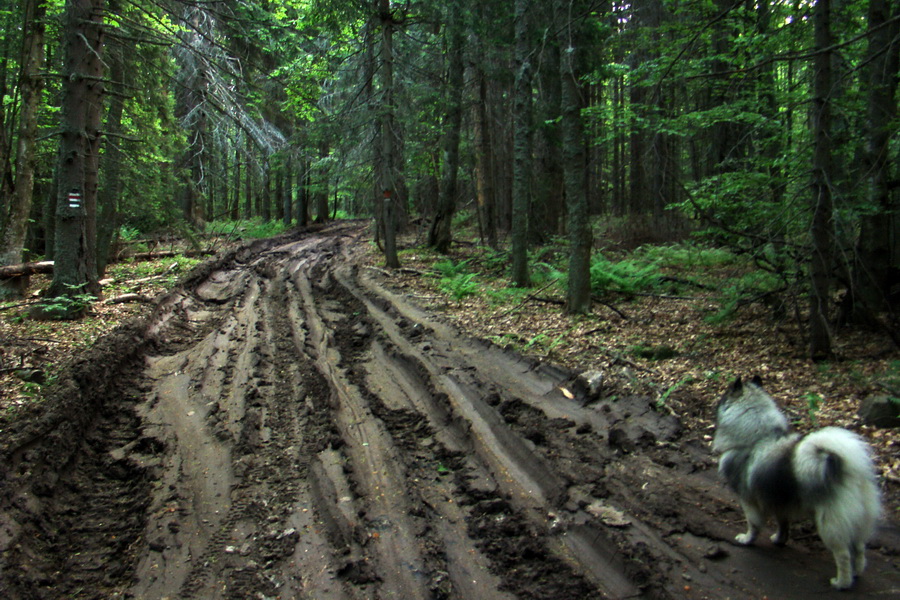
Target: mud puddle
{"x": 287, "y": 426}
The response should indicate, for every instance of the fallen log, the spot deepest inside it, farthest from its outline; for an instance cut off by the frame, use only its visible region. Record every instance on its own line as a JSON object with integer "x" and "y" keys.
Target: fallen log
{"x": 9, "y": 271}
{"x": 46, "y": 266}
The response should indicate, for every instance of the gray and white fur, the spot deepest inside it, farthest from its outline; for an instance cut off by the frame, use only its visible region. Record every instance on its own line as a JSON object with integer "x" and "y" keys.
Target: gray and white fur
{"x": 827, "y": 474}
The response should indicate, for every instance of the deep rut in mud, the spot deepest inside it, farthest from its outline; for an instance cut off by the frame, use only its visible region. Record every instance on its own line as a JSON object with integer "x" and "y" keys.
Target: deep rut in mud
{"x": 286, "y": 426}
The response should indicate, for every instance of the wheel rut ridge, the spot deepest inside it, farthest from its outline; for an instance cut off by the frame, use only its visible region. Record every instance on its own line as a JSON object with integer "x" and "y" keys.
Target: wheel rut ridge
{"x": 529, "y": 561}
{"x": 278, "y": 439}
{"x": 396, "y": 546}
{"x": 582, "y": 548}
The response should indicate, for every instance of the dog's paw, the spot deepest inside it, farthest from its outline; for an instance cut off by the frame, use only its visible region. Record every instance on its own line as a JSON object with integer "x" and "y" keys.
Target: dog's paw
{"x": 842, "y": 583}
{"x": 745, "y": 539}
{"x": 779, "y": 539}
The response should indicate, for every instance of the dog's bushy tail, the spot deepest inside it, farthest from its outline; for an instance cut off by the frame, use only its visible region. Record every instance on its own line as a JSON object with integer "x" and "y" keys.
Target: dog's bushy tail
{"x": 831, "y": 455}
{"x": 836, "y": 463}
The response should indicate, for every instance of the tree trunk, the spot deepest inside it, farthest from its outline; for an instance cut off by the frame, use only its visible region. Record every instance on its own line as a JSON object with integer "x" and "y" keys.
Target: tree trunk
{"x": 484, "y": 170}
{"x": 389, "y": 158}
{"x": 578, "y": 298}
{"x": 440, "y": 235}
{"x": 874, "y": 265}
{"x": 288, "y": 193}
{"x": 248, "y": 182}
{"x": 31, "y": 84}
{"x": 822, "y": 204}
{"x": 522, "y": 140}
{"x": 75, "y": 270}
{"x": 322, "y": 192}
{"x": 548, "y": 203}
{"x": 111, "y": 190}
{"x": 236, "y": 201}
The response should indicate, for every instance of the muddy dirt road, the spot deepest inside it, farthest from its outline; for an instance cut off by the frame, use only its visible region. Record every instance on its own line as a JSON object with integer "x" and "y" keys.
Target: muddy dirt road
{"x": 286, "y": 426}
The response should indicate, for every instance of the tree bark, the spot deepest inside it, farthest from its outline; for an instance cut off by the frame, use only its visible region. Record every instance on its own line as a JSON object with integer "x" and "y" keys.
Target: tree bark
{"x": 389, "y": 158}
{"x": 522, "y": 139}
{"x": 822, "y": 202}
{"x": 75, "y": 270}
{"x": 441, "y": 236}
{"x": 571, "y": 38}
{"x": 874, "y": 261}
{"x": 31, "y": 85}
{"x": 111, "y": 189}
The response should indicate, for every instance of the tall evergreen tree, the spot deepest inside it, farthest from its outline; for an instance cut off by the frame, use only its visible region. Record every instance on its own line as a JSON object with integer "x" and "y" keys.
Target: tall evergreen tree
{"x": 75, "y": 270}
{"x": 522, "y": 139}
{"x": 571, "y": 42}
{"x": 15, "y": 221}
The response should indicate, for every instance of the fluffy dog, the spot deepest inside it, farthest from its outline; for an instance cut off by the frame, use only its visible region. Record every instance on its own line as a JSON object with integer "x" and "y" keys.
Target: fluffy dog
{"x": 827, "y": 474}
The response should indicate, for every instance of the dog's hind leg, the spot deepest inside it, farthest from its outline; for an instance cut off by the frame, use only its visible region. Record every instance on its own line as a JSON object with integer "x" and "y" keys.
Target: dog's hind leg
{"x": 781, "y": 535}
{"x": 859, "y": 558}
{"x": 844, "y": 578}
{"x": 755, "y": 522}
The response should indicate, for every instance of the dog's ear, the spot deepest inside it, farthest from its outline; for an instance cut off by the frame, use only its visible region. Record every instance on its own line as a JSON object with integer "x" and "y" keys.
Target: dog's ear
{"x": 757, "y": 381}
{"x": 737, "y": 387}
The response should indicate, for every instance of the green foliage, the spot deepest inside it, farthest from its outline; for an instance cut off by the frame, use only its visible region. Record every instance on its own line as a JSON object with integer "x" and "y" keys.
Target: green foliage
{"x": 543, "y": 274}
{"x": 742, "y": 290}
{"x": 460, "y": 286}
{"x": 686, "y": 255}
{"x": 455, "y": 280}
{"x": 129, "y": 234}
{"x": 661, "y": 352}
{"x": 663, "y": 399}
{"x": 68, "y": 306}
{"x": 255, "y": 228}
{"x": 813, "y": 404}
{"x": 628, "y": 276}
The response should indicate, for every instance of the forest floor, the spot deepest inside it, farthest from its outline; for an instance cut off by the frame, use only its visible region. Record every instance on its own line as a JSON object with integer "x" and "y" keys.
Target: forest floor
{"x": 292, "y": 421}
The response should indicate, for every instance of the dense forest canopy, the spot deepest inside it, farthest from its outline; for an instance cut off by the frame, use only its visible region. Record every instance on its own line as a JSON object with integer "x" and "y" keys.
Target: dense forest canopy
{"x": 771, "y": 128}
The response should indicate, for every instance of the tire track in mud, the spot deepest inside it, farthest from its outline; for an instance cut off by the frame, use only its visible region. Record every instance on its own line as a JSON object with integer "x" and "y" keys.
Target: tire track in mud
{"x": 294, "y": 429}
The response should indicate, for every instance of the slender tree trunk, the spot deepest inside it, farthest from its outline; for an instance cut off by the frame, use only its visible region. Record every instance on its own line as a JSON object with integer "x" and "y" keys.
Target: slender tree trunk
{"x": 389, "y": 158}
{"x": 578, "y": 298}
{"x": 322, "y": 193}
{"x": 822, "y": 203}
{"x": 440, "y": 235}
{"x": 236, "y": 186}
{"x": 484, "y": 171}
{"x": 31, "y": 85}
{"x": 108, "y": 196}
{"x": 75, "y": 271}
{"x": 6, "y": 115}
{"x": 522, "y": 139}
{"x": 248, "y": 182}
{"x": 288, "y": 193}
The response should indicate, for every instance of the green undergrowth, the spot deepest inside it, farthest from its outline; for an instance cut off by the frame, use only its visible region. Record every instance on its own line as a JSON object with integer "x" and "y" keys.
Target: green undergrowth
{"x": 687, "y": 270}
